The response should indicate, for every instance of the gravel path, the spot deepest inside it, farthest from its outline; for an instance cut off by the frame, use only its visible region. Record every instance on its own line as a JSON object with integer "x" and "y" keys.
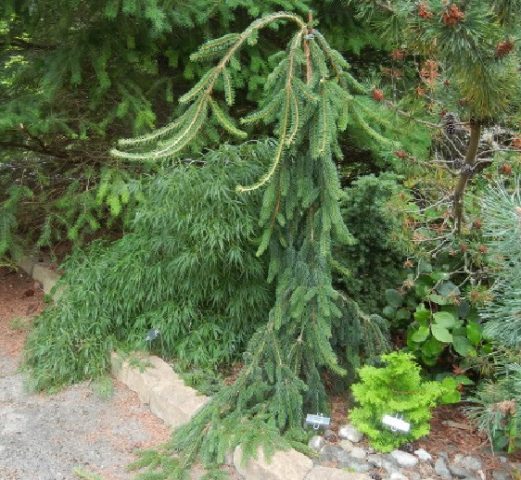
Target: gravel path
{"x": 48, "y": 437}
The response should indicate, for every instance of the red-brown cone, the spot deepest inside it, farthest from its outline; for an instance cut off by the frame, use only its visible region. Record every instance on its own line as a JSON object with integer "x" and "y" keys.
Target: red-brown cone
{"x": 506, "y": 169}
{"x": 453, "y": 15}
{"x": 504, "y": 48}
{"x": 378, "y": 94}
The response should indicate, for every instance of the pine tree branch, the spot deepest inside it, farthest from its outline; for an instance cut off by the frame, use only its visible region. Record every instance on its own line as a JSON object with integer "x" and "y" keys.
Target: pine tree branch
{"x": 25, "y": 44}
{"x": 307, "y": 52}
{"x": 466, "y": 172}
{"x": 285, "y": 118}
{"x": 35, "y": 149}
{"x": 257, "y": 25}
{"x": 191, "y": 122}
{"x": 495, "y": 150}
{"x": 36, "y": 139}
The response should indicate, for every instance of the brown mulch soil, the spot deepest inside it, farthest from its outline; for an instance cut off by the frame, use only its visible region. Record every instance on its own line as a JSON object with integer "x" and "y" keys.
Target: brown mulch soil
{"x": 339, "y": 408}
{"x": 21, "y": 299}
{"x": 452, "y": 432}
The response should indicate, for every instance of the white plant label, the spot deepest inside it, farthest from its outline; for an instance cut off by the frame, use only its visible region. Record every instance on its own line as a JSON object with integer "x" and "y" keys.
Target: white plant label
{"x": 396, "y": 424}
{"x": 317, "y": 421}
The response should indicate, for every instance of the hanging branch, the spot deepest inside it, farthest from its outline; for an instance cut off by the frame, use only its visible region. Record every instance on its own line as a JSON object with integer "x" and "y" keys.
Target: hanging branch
{"x": 290, "y": 103}
{"x": 309, "y": 99}
{"x": 182, "y": 131}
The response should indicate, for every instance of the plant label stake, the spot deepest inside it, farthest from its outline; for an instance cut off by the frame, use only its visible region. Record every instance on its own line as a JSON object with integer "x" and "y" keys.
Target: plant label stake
{"x": 317, "y": 421}
{"x": 151, "y": 335}
{"x": 396, "y": 424}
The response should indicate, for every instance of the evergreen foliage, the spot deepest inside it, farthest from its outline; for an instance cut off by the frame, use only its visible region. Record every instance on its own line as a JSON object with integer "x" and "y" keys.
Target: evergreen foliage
{"x": 463, "y": 37}
{"x": 471, "y": 64}
{"x": 8, "y": 220}
{"x": 376, "y": 260}
{"x": 496, "y": 408}
{"x": 395, "y": 389}
{"x": 81, "y": 212}
{"x": 108, "y": 69}
{"x": 502, "y": 209}
{"x": 495, "y": 405}
{"x": 309, "y": 98}
{"x": 187, "y": 268}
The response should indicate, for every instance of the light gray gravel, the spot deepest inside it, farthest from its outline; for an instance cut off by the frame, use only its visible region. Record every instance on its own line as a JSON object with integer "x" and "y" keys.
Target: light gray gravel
{"x": 46, "y": 437}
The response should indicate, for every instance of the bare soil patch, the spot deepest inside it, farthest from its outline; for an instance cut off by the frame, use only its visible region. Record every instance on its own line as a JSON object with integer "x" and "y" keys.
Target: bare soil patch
{"x": 47, "y": 437}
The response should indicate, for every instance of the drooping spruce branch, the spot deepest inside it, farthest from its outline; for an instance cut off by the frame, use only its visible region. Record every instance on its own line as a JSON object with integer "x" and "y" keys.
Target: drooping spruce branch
{"x": 309, "y": 100}
{"x": 182, "y": 131}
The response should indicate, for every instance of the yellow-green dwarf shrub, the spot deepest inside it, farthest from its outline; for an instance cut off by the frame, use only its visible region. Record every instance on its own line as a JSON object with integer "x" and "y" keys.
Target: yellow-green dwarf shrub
{"x": 396, "y": 389}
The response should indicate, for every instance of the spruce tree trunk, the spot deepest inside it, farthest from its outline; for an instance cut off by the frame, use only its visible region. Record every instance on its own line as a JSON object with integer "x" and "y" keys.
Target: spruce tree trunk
{"x": 466, "y": 172}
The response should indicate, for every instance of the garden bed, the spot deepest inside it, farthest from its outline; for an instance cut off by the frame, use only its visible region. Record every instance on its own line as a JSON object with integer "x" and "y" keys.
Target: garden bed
{"x": 451, "y": 431}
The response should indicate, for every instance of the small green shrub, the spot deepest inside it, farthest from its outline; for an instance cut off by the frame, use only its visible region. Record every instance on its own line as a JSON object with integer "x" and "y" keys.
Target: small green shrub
{"x": 187, "y": 268}
{"x": 396, "y": 389}
{"x": 376, "y": 260}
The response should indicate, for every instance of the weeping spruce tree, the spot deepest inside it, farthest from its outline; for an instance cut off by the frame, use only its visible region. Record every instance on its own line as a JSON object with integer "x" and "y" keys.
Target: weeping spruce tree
{"x": 309, "y": 99}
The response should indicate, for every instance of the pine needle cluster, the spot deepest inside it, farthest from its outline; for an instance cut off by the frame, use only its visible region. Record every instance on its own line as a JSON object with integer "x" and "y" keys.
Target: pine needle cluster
{"x": 496, "y": 408}
{"x": 502, "y": 209}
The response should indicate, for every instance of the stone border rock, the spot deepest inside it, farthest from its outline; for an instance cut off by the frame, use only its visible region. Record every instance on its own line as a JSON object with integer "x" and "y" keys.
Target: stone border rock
{"x": 175, "y": 403}
{"x": 39, "y": 272}
{"x": 160, "y": 387}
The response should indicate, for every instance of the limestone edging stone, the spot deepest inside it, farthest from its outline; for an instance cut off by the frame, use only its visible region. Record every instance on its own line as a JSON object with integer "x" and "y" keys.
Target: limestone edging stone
{"x": 283, "y": 465}
{"x": 160, "y": 387}
{"x": 45, "y": 276}
{"x": 39, "y": 272}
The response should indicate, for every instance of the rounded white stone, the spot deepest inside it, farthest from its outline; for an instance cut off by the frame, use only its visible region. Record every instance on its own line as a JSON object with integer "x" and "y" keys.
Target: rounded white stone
{"x": 423, "y": 455}
{"x": 351, "y": 433}
{"x": 404, "y": 459}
